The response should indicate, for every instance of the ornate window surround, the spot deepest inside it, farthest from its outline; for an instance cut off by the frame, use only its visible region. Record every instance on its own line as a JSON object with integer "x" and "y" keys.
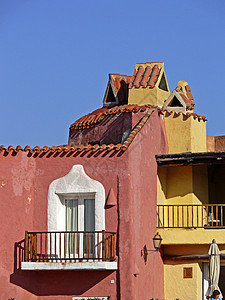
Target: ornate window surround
{"x": 79, "y": 184}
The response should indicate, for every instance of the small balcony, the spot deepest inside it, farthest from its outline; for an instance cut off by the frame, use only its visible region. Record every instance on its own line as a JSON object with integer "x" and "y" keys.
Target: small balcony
{"x": 73, "y": 250}
{"x": 191, "y": 216}
{"x": 191, "y": 224}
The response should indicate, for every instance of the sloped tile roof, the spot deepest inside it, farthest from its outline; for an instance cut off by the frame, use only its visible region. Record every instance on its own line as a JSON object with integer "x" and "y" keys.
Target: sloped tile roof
{"x": 96, "y": 116}
{"x": 189, "y": 102}
{"x": 117, "y": 79}
{"x": 63, "y": 148}
{"x": 148, "y": 109}
{"x": 68, "y": 148}
{"x": 145, "y": 77}
{"x": 188, "y": 92}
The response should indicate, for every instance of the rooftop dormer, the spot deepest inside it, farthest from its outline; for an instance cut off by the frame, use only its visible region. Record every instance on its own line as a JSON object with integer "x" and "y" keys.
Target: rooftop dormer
{"x": 181, "y": 99}
{"x": 117, "y": 90}
{"x": 148, "y": 84}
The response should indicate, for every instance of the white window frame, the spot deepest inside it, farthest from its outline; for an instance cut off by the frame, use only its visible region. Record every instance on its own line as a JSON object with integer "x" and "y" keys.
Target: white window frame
{"x": 80, "y": 198}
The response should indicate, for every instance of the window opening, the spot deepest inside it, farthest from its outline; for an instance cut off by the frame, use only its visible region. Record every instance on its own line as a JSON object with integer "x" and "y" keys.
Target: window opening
{"x": 110, "y": 96}
{"x": 175, "y": 103}
{"x": 163, "y": 84}
{"x": 80, "y": 216}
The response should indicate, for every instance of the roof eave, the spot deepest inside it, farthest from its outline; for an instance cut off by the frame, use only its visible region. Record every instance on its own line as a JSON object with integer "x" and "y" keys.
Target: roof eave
{"x": 191, "y": 158}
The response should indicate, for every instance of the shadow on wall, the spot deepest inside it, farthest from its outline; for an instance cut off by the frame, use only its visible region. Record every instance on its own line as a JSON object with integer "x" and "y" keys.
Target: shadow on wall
{"x": 44, "y": 283}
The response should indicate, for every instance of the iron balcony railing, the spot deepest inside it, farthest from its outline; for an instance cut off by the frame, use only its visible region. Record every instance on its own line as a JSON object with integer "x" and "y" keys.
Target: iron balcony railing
{"x": 72, "y": 246}
{"x": 191, "y": 216}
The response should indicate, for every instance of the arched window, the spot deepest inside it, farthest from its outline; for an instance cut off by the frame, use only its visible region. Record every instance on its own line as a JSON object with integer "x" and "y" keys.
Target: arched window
{"x": 76, "y": 203}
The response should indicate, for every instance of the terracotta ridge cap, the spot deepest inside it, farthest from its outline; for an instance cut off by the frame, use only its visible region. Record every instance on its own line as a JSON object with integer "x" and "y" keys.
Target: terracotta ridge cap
{"x": 137, "y": 128}
{"x": 123, "y": 75}
{"x": 62, "y": 148}
{"x": 150, "y": 62}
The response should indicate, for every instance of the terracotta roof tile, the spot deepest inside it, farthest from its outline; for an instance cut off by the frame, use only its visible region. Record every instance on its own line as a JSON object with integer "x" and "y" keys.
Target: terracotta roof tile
{"x": 188, "y": 91}
{"x": 145, "y": 77}
{"x": 154, "y": 76}
{"x": 190, "y": 103}
{"x": 117, "y": 79}
{"x": 138, "y": 77}
{"x": 118, "y": 147}
{"x": 18, "y": 148}
{"x": 97, "y": 116}
{"x": 132, "y": 79}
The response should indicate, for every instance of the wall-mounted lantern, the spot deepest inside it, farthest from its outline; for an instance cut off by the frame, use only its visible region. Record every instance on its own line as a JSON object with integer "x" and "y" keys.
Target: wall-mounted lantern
{"x": 157, "y": 240}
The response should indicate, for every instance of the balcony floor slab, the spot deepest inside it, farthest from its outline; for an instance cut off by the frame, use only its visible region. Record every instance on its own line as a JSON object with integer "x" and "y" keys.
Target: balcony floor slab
{"x": 79, "y": 266}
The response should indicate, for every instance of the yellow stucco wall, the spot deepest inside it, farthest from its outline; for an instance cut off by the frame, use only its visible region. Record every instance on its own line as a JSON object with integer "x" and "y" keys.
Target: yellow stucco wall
{"x": 153, "y": 96}
{"x": 200, "y": 184}
{"x": 179, "y": 185}
{"x": 175, "y": 236}
{"x": 181, "y": 188}
{"x": 161, "y": 185}
{"x": 185, "y": 134}
{"x": 178, "y": 287}
{"x": 182, "y": 185}
{"x": 198, "y": 135}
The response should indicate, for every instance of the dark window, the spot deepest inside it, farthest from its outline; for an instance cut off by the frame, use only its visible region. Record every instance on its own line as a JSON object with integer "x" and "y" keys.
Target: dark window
{"x": 162, "y": 84}
{"x": 110, "y": 96}
{"x": 175, "y": 102}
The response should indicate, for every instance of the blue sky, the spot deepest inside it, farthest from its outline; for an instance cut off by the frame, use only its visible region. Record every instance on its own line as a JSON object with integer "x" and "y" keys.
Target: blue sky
{"x": 55, "y": 56}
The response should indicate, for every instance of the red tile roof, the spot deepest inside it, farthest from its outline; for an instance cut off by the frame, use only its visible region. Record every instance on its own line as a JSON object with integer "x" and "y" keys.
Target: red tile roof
{"x": 188, "y": 91}
{"x": 67, "y": 148}
{"x": 63, "y": 148}
{"x": 189, "y": 102}
{"x": 145, "y": 77}
{"x": 117, "y": 80}
{"x": 96, "y": 116}
{"x": 148, "y": 109}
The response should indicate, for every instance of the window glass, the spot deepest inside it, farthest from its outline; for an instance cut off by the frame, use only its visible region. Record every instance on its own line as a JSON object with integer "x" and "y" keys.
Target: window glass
{"x": 89, "y": 214}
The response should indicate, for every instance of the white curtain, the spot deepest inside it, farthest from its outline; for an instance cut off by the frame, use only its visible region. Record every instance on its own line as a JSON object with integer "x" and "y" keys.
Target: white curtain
{"x": 71, "y": 214}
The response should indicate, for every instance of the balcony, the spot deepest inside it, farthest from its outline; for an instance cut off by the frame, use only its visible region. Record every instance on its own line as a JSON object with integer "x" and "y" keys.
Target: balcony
{"x": 191, "y": 216}
{"x": 74, "y": 250}
{"x": 188, "y": 224}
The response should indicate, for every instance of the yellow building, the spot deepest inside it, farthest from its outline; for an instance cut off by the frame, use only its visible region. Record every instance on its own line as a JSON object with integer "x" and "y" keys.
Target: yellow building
{"x": 190, "y": 201}
{"x": 190, "y": 185}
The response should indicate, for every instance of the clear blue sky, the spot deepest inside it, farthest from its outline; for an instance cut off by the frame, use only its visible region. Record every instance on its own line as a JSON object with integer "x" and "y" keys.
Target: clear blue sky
{"x": 55, "y": 56}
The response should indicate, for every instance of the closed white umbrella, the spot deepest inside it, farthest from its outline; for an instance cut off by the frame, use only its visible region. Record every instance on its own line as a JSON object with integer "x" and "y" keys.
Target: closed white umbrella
{"x": 214, "y": 269}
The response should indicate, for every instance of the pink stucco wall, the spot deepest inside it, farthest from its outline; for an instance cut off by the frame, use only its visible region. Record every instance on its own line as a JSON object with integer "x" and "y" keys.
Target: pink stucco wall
{"x": 138, "y": 216}
{"x": 24, "y": 182}
{"x": 24, "y": 185}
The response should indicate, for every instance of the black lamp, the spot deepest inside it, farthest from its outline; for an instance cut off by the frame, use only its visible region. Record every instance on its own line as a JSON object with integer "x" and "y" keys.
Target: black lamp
{"x": 157, "y": 240}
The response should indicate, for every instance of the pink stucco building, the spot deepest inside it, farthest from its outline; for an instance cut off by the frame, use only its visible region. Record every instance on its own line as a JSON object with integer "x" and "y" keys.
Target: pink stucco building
{"x": 75, "y": 217}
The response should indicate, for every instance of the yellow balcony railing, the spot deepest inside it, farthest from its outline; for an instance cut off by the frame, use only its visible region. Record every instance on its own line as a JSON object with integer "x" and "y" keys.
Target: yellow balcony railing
{"x": 191, "y": 216}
